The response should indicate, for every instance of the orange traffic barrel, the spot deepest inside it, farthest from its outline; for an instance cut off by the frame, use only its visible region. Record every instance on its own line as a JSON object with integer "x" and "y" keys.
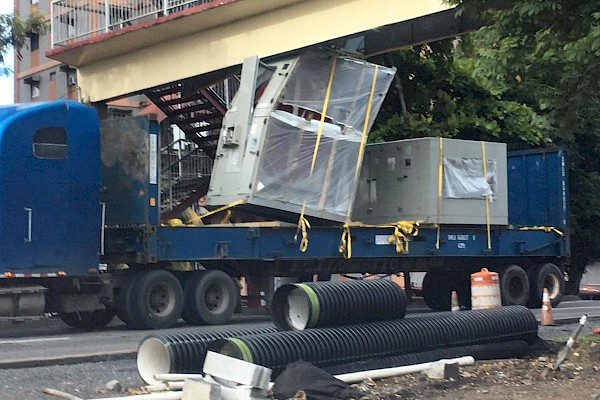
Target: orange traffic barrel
{"x": 485, "y": 290}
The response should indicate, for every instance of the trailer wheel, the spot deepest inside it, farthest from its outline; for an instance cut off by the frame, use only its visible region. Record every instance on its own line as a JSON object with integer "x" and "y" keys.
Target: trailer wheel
{"x": 550, "y": 277}
{"x": 88, "y": 320}
{"x": 514, "y": 285}
{"x": 438, "y": 287}
{"x": 154, "y": 300}
{"x": 210, "y": 298}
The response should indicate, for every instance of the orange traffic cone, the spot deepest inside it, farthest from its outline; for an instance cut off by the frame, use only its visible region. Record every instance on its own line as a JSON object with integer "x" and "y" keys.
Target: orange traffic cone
{"x": 455, "y": 307}
{"x": 547, "y": 318}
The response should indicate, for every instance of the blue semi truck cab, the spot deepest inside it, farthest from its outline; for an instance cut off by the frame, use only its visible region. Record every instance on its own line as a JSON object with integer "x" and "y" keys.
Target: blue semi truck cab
{"x": 82, "y": 232}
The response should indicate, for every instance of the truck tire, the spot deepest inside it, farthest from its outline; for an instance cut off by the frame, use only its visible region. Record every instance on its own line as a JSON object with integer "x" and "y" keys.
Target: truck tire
{"x": 88, "y": 320}
{"x": 547, "y": 276}
{"x": 123, "y": 299}
{"x": 210, "y": 298}
{"x": 154, "y": 300}
{"x": 438, "y": 287}
{"x": 514, "y": 286}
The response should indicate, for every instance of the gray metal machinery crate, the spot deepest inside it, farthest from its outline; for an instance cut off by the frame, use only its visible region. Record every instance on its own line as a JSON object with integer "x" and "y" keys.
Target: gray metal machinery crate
{"x": 277, "y": 151}
{"x": 399, "y": 181}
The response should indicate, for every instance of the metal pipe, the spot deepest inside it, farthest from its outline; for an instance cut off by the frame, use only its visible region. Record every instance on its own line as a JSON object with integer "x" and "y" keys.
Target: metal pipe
{"x": 29, "y": 223}
{"x": 103, "y": 226}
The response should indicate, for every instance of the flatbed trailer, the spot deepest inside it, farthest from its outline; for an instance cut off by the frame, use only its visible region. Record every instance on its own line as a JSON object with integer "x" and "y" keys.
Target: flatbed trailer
{"x": 82, "y": 233}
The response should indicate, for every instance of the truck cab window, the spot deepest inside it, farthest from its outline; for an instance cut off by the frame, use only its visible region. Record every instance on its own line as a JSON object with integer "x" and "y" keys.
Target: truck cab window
{"x": 50, "y": 143}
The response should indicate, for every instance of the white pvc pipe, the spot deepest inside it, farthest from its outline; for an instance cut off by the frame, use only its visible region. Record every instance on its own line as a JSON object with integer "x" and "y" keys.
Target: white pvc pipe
{"x": 178, "y": 385}
{"x": 176, "y": 377}
{"x": 360, "y": 376}
{"x": 153, "y": 358}
{"x": 161, "y": 387}
{"x": 151, "y": 396}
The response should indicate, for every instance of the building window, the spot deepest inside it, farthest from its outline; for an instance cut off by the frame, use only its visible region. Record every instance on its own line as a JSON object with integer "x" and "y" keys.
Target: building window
{"x": 52, "y": 76}
{"x": 114, "y": 113}
{"x": 50, "y": 143}
{"x": 34, "y": 40}
{"x": 35, "y": 1}
{"x": 34, "y": 88}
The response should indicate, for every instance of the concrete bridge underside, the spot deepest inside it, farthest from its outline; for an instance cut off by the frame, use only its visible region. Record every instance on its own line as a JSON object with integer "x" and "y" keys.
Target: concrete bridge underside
{"x": 212, "y": 40}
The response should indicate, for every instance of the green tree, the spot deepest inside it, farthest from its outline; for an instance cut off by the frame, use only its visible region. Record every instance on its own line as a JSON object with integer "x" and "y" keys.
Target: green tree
{"x": 436, "y": 95}
{"x": 546, "y": 54}
{"x": 14, "y": 31}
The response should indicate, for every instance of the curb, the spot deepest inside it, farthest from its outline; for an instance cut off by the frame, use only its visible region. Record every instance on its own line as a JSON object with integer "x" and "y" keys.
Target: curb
{"x": 64, "y": 360}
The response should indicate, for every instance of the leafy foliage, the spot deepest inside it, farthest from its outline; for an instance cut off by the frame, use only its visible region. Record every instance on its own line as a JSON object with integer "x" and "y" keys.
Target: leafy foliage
{"x": 554, "y": 48}
{"x": 442, "y": 98}
{"x": 529, "y": 78}
{"x": 14, "y": 31}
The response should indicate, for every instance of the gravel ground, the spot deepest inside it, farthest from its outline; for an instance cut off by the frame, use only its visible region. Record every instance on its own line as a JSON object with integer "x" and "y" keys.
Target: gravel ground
{"x": 88, "y": 380}
{"x": 83, "y": 380}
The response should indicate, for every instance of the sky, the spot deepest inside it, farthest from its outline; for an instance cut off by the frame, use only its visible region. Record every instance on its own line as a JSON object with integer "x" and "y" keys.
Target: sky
{"x": 7, "y": 83}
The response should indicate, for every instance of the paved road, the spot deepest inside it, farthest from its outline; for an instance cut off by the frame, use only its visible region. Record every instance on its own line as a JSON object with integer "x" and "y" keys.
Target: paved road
{"x": 49, "y": 341}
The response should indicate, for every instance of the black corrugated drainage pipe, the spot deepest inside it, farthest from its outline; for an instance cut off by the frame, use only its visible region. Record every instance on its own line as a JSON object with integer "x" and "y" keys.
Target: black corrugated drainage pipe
{"x": 345, "y": 344}
{"x": 489, "y": 351}
{"x": 318, "y": 304}
{"x": 181, "y": 352}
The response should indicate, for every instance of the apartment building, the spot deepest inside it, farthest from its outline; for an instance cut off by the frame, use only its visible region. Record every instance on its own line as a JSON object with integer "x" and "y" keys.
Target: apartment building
{"x": 38, "y": 78}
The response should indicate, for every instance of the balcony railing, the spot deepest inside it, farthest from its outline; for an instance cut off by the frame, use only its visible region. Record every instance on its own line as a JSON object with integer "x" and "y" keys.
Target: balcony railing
{"x": 76, "y": 20}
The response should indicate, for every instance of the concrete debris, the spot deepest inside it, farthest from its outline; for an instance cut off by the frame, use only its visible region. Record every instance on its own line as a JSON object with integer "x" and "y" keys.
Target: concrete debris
{"x": 200, "y": 389}
{"x": 233, "y": 370}
{"x": 442, "y": 370}
{"x": 114, "y": 385}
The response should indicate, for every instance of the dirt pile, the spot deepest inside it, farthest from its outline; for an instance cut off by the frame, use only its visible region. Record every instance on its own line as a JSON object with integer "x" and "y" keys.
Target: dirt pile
{"x": 531, "y": 378}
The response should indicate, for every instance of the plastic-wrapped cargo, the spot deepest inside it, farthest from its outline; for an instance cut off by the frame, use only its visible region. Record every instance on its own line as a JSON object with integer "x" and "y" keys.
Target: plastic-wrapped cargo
{"x": 298, "y": 144}
{"x": 400, "y": 181}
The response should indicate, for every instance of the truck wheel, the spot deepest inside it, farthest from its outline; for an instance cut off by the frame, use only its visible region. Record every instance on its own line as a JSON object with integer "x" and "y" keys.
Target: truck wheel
{"x": 210, "y": 298}
{"x": 550, "y": 277}
{"x": 437, "y": 289}
{"x": 238, "y": 301}
{"x": 155, "y": 300}
{"x": 123, "y": 299}
{"x": 514, "y": 286}
{"x": 436, "y": 294}
{"x": 88, "y": 320}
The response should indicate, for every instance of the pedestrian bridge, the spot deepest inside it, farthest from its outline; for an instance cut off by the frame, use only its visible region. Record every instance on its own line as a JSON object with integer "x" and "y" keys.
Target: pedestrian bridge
{"x": 122, "y": 47}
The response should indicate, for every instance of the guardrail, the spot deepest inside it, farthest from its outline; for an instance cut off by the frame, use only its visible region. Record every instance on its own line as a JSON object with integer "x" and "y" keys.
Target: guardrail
{"x": 76, "y": 20}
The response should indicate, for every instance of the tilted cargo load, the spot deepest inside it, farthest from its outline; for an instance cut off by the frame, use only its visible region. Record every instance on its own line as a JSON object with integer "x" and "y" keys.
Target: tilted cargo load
{"x": 292, "y": 139}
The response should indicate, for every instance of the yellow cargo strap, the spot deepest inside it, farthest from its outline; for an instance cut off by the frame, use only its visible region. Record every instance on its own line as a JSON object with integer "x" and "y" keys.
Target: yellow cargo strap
{"x": 226, "y": 218}
{"x": 439, "y": 197}
{"x": 400, "y": 236}
{"x": 303, "y": 227}
{"x": 487, "y": 198}
{"x": 543, "y": 228}
{"x": 363, "y": 137}
{"x": 345, "y": 247}
{"x": 198, "y": 218}
{"x": 323, "y": 115}
{"x": 303, "y": 224}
